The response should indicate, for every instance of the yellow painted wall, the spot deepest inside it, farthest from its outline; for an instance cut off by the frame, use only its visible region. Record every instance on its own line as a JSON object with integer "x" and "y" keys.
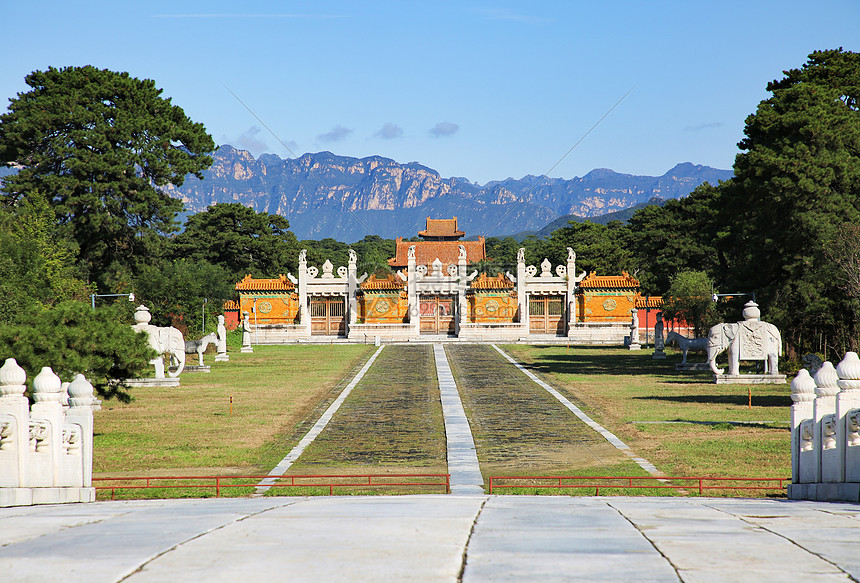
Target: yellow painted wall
{"x": 383, "y": 308}
{"x": 272, "y": 308}
{"x": 492, "y": 307}
{"x": 605, "y": 306}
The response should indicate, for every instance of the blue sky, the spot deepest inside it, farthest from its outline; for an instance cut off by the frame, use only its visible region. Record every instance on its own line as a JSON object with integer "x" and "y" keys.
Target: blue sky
{"x": 483, "y": 90}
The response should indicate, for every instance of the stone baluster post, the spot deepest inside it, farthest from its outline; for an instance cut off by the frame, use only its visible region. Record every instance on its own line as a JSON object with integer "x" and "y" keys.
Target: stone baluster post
{"x": 823, "y": 414}
{"x": 304, "y": 307}
{"x": 80, "y": 412}
{"x": 352, "y": 293}
{"x": 14, "y": 426}
{"x": 802, "y": 456}
{"x": 847, "y": 411}
{"x": 462, "y": 306}
{"x": 522, "y": 300}
{"x": 412, "y": 291}
{"x": 46, "y": 429}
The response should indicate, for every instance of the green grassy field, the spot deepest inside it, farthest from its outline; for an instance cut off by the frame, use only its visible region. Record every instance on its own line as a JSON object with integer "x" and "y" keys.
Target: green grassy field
{"x": 277, "y": 393}
{"x": 392, "y": 421}
{"x": 680, "y": 421}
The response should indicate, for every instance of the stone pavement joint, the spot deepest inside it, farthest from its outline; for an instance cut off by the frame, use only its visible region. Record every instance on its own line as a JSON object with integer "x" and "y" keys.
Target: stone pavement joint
{"x": 651, "y": 542}
{"x": 463, "y": 463}
{"x": 424, "y": 538}
{"x": 608, "y": 435}
{"x": 284, "y": 465}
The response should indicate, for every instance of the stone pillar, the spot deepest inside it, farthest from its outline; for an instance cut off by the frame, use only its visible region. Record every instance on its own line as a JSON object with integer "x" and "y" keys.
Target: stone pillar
{"x": 412, "y": 291}
{"x": 847, "y": 412}
{"x": 802, "y": 456}
{"x": 14, "y": 426}
{"x": 462, "y": 305}
{"x": 81, "y": 413}
{"x": 522, "y": 300}
{"x": 352, "y": 293}
{"x": 304, "y": 313}
{"x": 221, "y": 343}
{"x": 46, "y": 429}
{"x": 827, "y": 467}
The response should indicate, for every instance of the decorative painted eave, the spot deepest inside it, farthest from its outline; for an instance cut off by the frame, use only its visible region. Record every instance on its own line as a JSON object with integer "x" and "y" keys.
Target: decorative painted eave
{"x": 388, "y": 283}
{"x": 623, "y": 281}
{"x": 653, "y": 302}
{"x": 281, "y": 283}
{"x": 484, "y": 281}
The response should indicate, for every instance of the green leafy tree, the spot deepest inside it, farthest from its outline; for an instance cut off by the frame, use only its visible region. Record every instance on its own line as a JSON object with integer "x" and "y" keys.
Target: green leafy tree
{"x": 796, "y": 181}
{"x": 684, "y": 233}
{"x": 178, "y": 291}
{"x": 239, "y": 240}
{"x": 73, "y": 338}
{"x": 373, "y": 254}
{"x": 690, "y": 298}
{"x": 37, "y": 265}
{"x": 599, "y": 248}
{"x": 103, "y": 145}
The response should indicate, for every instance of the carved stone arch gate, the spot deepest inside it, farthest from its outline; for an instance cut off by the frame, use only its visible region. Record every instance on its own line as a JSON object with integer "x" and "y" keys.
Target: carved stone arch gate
{"x": 328, "y": 315}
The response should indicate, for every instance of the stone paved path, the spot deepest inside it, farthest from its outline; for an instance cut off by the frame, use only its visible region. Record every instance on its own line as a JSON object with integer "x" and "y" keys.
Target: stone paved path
{"x": 463, "y": 463}
{"x": 474, "y": 539}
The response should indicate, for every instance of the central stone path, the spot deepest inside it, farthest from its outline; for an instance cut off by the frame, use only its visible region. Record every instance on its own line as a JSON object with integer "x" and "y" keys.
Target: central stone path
{"x": 463, "y": 463}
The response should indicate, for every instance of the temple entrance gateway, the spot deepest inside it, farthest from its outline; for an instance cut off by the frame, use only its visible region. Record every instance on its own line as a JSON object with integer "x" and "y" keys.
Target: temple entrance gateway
{"x": 546, "y": 315}
{"x": 437, "y": 314}
{"x": 328, "y": 316}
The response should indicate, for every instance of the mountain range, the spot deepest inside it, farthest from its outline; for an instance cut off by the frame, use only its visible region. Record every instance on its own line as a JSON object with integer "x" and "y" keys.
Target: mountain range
{"x": 326, "y": 195}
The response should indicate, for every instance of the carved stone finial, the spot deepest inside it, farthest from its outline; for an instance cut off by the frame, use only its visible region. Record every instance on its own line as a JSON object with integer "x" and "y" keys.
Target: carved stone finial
{"x": 521, "y": 255}
{"x": 751, "y": 311}
{"x": 47, "y": 386}
{"x": 303, "y": 256}
{"x": 353, "y": 257}
{"x": 802, "y": 387}
{"x": 545, "y": 268}
{"x": 410, "y": 254}
{"x": 571, "y": 254}
{"x": 826, "y": 381}
{"x": 849, "y": 372}
{"x": 80, "y": 392}
{"x": 12, "y": 379}
{"x": 462, "y": 249}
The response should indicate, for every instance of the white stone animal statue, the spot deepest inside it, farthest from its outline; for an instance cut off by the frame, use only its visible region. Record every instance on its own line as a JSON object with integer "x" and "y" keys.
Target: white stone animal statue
{"x": 687, "y": 344}
{"x": 751, "y": 339}
{"x": 200, "y": 346}
{"x": 165, "y": 341}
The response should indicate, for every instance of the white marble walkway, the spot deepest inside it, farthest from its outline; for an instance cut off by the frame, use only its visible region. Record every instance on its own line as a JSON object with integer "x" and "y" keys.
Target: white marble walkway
{"x": 463, "y": 463}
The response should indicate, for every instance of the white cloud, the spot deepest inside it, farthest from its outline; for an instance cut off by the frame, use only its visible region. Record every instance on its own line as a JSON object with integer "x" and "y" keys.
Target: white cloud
{"x": 336, "y": 134}
{"x": 444, "y": 128}
{"x": 389, "y": 131}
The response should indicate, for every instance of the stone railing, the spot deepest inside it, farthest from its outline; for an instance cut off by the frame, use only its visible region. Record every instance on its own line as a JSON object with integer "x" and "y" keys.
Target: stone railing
{"x": 46, "y": 451}
{"x": 825, "y": 432}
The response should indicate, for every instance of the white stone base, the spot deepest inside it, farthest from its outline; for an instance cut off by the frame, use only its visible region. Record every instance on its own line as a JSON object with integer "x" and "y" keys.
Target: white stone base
{"x": 166, "y": 382}
{"x": 658, "y": 355}
{"x": 247, "y": 350}
{"x": 222, "y": 358}
{"x": 749, "y": 379}
{"x": 692, "y": 366}
{"x": 30, "y": 496}
{"x": 197, "y": 368}
{"x": 635, "y": 347}
{"x": 826, "y": 492}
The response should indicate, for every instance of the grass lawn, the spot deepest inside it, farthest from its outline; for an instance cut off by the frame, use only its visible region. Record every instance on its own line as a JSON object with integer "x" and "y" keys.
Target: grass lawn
{"x": 277, "y": 392}
{"x": 680, "y": 421}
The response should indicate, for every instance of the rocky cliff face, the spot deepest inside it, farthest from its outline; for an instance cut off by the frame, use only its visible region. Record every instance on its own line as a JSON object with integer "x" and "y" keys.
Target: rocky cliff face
{"x": 324, "y": 195}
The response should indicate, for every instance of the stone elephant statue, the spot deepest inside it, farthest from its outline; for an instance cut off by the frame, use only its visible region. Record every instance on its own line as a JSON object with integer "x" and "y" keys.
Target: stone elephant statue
{"x": 749, "y": 340}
